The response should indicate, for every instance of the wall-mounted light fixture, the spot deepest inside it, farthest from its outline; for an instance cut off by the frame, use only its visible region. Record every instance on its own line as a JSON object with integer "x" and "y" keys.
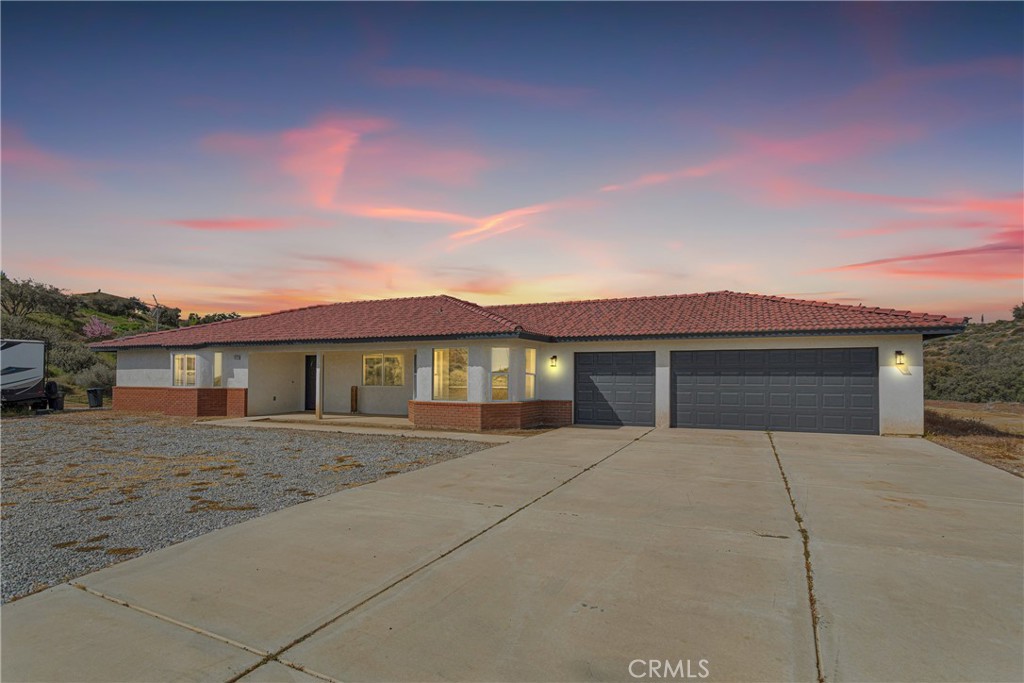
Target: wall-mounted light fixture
{"x": 554, "y": 361}
{"x": 901, "y": 359}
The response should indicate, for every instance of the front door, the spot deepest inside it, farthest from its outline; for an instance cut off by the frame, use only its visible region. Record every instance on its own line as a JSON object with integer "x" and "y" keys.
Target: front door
{"x": 311, "y": 382}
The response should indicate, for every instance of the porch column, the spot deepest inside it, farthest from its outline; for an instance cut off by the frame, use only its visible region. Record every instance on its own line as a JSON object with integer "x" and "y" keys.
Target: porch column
{"x": 319, "y": 385}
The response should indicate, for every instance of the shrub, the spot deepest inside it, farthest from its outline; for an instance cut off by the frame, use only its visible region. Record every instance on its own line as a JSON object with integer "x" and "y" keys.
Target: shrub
{"x": 71, "y": 357}
{"x": 20, "y": 327}
{"x": 98, "y": 375}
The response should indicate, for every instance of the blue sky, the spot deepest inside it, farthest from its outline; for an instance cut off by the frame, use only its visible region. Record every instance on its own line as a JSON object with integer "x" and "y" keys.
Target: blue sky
{"x": 251, "y": 157}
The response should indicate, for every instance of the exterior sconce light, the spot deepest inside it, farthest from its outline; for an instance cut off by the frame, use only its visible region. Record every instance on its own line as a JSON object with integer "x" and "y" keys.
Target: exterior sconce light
{"x": 554, "y": 361}
{"x": 901, "y": 359}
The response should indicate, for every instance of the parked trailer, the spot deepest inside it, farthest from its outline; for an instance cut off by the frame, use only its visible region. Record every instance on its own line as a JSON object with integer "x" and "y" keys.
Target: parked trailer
{"x": 23, "y": 374}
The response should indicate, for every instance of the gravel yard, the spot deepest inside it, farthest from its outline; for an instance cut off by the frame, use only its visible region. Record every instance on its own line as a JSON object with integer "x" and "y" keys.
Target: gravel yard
{"x": 82, "y": 491}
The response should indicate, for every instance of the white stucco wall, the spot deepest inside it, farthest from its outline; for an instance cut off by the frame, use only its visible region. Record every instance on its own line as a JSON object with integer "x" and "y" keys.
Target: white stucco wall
{"x": 144, "y": 368}
{"x": 276, "y": 376}
{"x": 901, "y": 396}
{"x": 344, "y": 370}
{"x": 154, "y": 367}
{"x": 278, "y": 381}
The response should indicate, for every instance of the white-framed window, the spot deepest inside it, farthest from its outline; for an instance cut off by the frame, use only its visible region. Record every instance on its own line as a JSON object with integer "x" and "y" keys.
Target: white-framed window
{"x": 530, "y": 392}
{"x": 218, "y": 369}
{"x": 499, "y": 374}
{"x": 451, "y": 374}
{"x": 184, "y": 369}
{"x": 383, "y": 370}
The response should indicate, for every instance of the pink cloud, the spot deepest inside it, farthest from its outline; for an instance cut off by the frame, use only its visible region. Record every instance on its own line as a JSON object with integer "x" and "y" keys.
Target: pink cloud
{"x": 485, "y": 281}
{"x": 315, "y": 156}
{"x": 836, "y": 144}
{"x": 338, "y": 158}
{"x": 988, "y": 262}
{"x": 19, "y": 154}
{"x": 500, "y": 223}
{"x": 758, "y": 159}
{"x": 377, "y": 162}
{"x": 237, "y": 224}
{"x": 463, "y": 82}
{"x": 1000, "y": 257}
{"x": 699, "y": 171}
{"x": 407, "y": 213}
{"x": 906, "y": 91}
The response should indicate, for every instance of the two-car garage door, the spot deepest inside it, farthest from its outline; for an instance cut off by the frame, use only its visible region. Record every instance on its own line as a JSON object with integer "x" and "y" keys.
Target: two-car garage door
{"x": 791, "y": 390}
{"x": 804, "y": 390}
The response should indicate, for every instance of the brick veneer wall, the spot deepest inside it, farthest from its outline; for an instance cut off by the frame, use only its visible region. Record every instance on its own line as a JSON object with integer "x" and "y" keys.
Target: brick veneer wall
{"x": 183, "y": 401}
{"x": 476, "y": 417}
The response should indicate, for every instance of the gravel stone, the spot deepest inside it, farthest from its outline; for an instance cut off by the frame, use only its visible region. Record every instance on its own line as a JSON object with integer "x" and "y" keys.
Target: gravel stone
{"x": 82, "y": 491}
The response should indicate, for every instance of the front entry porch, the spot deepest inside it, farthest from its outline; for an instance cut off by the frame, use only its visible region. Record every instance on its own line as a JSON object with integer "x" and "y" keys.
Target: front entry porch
{"x": 342, "y": 420}
{"x": 331, "y": 384}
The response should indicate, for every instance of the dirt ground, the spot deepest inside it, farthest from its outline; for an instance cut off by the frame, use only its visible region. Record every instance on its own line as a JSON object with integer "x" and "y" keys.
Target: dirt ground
{"x": 84, "y": 489}
{"x": 990, "y": 432}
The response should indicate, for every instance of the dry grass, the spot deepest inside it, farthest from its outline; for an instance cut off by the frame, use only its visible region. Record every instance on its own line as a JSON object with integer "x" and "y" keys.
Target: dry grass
{"x": 987, "y": 440}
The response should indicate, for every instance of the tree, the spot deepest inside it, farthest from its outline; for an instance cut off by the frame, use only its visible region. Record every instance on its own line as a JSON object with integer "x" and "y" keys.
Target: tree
{"x": 97, "y": 329}
{"x": 22, "y": 297}
{"x": 196, "y": 319}
{"x": 163, "y": 315}
{"x": 1018, "y": 312}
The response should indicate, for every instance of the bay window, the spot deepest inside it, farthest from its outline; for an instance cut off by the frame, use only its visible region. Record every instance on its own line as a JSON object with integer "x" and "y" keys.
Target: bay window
{"x": 531, "y": 375}
{"x": 451, "y": 374}
{"x": 499, "y": 374}
{"x": 184, "y": 369}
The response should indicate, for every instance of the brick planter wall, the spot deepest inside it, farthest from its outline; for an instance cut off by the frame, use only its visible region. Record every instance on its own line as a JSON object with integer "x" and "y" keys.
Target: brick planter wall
{"x": 182, "y": 401}
{"x": 476, "y": 417}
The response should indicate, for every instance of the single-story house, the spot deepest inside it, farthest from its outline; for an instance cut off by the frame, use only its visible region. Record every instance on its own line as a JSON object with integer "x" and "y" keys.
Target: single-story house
{"x": 717, "y": 360}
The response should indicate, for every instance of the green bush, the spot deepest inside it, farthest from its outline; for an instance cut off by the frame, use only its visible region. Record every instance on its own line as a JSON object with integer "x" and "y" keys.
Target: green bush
{"x": 98, "y": 375}
{"x": 71, "y": 357}
{"x": 984, "y": 364}
{"x": 20, "y": 327}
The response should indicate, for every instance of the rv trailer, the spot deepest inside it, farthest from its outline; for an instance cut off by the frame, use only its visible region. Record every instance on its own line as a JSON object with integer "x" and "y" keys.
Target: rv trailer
{"x": 23, "y": 377}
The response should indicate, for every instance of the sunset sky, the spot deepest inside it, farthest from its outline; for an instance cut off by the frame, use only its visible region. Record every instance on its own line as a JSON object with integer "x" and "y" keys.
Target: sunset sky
{"x": 254, "y": 157}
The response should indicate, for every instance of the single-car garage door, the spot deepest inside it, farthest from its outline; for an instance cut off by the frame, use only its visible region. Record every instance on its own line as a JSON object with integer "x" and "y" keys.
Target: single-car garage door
{"x": 614, "y": 388}
{"x": 794, "y": 390}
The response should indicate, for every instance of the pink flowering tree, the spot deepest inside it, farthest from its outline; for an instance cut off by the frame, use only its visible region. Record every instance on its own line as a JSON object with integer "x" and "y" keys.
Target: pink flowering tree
{"x": 96, "y": 329}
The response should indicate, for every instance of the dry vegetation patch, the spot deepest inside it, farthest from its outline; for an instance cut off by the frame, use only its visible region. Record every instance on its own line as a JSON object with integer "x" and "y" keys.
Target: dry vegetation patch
{"x": 84, "y": 490}
{"x": 991, "y": 435}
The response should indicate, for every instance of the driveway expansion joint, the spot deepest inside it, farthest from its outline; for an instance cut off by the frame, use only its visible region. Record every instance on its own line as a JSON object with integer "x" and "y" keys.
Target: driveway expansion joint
{"x": 169, "y": 620}
{"x": 808, "y": 569}
{"x": 275, "y": 656}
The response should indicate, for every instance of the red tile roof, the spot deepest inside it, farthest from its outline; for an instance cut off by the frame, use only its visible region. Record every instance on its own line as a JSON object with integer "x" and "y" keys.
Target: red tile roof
{"x": 711, "y": 314}
{"x": 429, "y": 316}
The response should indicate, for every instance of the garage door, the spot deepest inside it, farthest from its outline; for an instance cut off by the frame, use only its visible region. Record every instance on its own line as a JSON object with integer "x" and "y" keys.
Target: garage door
{"x": 796, "y": 390}
{"x": 614, "y": 388}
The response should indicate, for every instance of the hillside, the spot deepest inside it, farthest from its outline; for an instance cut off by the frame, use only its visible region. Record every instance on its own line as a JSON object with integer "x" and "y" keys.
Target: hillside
{"x": 69, "y": 322}
{"x": 984, "y": 364}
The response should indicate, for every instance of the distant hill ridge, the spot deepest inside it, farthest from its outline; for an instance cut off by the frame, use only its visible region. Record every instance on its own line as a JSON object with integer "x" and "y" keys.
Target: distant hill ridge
{"x": 983, "y": 364}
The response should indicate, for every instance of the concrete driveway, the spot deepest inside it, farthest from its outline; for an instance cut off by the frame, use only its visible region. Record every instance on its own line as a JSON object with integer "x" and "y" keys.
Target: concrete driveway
{"x": 580, "y": 554}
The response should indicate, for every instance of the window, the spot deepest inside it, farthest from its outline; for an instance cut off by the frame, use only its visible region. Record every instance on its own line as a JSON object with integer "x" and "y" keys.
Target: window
{"x": 531, "y": 374}
{"x": 218, "y": 369}
{"x": 451, "y": 374}
{"x": 184, "y": 369}
{"x": 499, "y": 374}
{"x": 383, "y": 370}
